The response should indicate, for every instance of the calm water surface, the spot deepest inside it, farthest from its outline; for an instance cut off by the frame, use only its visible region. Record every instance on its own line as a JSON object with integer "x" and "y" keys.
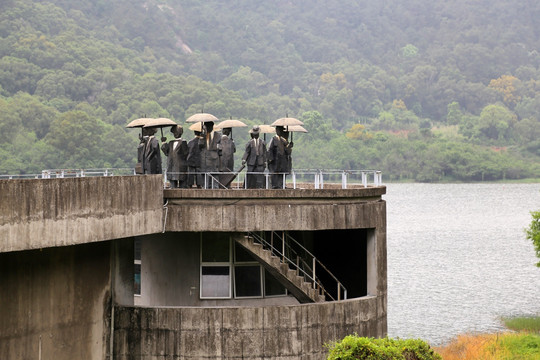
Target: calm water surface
{"x": 458, "y": 258}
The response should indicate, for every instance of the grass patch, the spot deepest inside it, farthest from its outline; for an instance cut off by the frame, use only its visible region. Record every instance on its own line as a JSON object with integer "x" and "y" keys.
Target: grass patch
{"x": 523, "y": 345}
{"x": 473, "y": 347}
{"x": 530, "y": 324}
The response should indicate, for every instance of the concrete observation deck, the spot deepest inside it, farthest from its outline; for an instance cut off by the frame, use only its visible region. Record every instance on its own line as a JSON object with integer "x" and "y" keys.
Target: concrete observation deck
{"x": 67, "y": 255}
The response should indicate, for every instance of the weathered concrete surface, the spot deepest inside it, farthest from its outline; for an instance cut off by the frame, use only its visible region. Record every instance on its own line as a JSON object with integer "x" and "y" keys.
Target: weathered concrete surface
{"x": 42, "y": 213}
{"x": 170, "y": 274}
{"x": 55, "y": 303}
{"x": 275, "y": 332}
{"x": 260, "y": 210}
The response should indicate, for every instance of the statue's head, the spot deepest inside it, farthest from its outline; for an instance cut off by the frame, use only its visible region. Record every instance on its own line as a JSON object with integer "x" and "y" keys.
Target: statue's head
{"x": 148, "y": 131}
{"x": 280, "y": 130}
{"x": 255, "y": 131}
{"x": 177, "y": 131}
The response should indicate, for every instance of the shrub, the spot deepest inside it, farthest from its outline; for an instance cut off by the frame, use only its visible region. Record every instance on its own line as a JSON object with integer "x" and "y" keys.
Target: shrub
{"x": 353, "y": 347}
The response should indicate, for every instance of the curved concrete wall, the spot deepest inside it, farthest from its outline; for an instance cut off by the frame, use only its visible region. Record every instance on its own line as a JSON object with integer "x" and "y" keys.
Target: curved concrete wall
{"x": 274, "y": 332}
{"x": 42, "y": 213}
{"x": 66, "y": 293}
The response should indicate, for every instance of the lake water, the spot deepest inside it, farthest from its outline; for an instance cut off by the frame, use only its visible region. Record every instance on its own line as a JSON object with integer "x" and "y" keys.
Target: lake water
{"x": 458, "y": 258}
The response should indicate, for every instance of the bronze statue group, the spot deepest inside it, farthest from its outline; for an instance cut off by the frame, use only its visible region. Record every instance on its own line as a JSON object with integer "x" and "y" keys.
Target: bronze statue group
{"x": 207, "y": 160}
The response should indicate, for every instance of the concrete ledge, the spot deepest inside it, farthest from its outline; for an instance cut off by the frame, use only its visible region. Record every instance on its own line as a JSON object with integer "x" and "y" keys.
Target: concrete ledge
{"x": 42, "y": 213}
{"x": 353, "y": 192}
{"x": 272, "y": 332}
{"x": 265, "y": 210}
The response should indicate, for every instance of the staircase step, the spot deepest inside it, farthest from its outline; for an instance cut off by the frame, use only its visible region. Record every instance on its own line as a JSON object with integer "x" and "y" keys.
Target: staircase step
{"x": 291, "y": 278}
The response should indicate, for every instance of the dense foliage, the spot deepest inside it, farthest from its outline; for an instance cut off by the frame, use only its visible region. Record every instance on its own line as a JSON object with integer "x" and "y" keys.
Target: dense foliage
{"x": 533, "y": 233}
{"x": 353, "y": 347}
{"x": 423, "y": 90}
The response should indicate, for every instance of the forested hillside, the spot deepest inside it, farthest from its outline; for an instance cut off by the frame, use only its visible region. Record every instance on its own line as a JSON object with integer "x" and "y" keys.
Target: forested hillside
{"x": 423, "y": 90}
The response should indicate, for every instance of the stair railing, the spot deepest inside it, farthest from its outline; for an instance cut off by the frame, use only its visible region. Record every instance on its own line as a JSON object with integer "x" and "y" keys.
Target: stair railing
{"x": 307, "y": 269}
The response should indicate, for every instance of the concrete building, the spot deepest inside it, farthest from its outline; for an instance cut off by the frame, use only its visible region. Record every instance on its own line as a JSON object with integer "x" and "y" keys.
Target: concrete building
{"x": 119, "y": 268}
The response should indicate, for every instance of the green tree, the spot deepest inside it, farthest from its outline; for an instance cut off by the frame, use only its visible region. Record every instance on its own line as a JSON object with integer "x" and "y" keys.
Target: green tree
{"x": 533, "y": 233}
{"x": 454, "y": 114}
{"x": 34, "y": 116}
{"x": 385, "y": 121}
{"x": 496, "y": 122}
{"x": 79, "y": 138}
{"x": 318, "y": 127}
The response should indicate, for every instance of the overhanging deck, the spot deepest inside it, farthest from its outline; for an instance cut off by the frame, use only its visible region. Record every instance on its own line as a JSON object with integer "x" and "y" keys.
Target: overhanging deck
{"x": 266, "y": 210}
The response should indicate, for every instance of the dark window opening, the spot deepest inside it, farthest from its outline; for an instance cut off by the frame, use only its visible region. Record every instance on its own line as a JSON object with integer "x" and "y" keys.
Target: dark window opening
{"x": 272, "y": 287}
{"x": 247, "y": 280}
{"x": 344, "y": 253}
{"x": 137, "y": 285}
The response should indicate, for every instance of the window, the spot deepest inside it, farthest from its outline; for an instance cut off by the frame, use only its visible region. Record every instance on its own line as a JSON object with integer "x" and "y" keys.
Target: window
{"x": 247, "y": 274}
{"x": 137, "y": 267}
{"x": 215, "y": 266}
{"x": 137, "y": 285}
{"x": 225, "y": 267}
{"x": 272, "y": 287}
{"x": 215, "y": 282}
{"x": 247, "y": 281}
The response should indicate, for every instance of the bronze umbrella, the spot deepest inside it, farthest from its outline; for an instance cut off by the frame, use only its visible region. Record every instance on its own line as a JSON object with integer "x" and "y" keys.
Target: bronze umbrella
{"x": 196, "y": 127}
{"x": 231, "y": 123}
{"x": 287, "y": 122}
{"x": 296, "y": 128}
{"x": 159, "y": 123}
{"x": 138, "y": 122}
{"x": 202, "y": 117}
{"x": 267, "y": 129}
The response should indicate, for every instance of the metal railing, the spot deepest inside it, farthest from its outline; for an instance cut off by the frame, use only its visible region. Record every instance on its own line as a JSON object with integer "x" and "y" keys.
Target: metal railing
{"x": 301, "y": 260}
{"x": 296, "y": 179}
{"x": 66, "y": 173}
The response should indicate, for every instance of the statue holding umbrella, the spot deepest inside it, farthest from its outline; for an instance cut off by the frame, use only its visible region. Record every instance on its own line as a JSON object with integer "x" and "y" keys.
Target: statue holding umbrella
{"x": 152, "y": 154}
{"x": 194, "y": 157}
{"x": 148, "y": 155}
{"x": 210, "y": 147}
{"x": 139, "y": 123}
{"x": 228, "y": 148}
{"x": 176, "y": 151}
{"x": 279, "y": 152}
{"x": 255, "y": 159}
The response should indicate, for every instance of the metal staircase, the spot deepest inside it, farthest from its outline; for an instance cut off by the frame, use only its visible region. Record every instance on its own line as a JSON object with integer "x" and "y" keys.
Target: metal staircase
{"x": 297, "y": 272}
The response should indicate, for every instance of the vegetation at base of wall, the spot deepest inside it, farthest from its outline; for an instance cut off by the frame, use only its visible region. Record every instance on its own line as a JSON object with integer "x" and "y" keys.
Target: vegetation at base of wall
{"x": 523, "y": 345}
{"x": 354, "y": 347}
{"x": 533, "y": 233}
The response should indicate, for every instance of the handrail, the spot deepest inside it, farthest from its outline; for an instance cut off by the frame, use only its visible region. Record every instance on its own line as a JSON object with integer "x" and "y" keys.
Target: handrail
{"x": 295, "y": 179}
{"x": 308, "y": 271}
{"x": 317, "y": 177}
